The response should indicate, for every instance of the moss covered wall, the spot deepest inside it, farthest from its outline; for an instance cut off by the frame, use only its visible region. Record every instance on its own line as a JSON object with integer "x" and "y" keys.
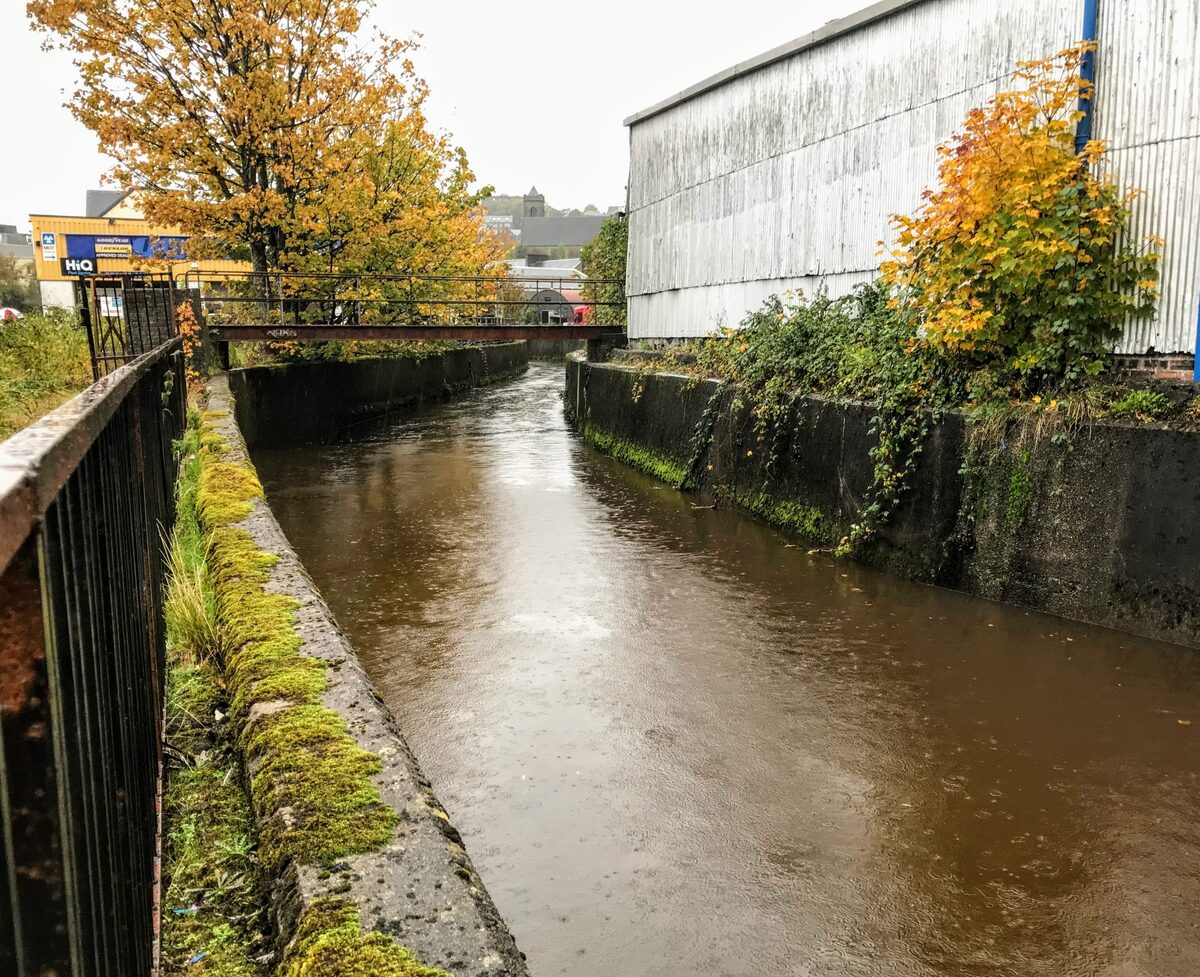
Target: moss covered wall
{"x": 307, "y": 402}
{"x": 362, "y": 860}
{"x": 1105, "y": 532}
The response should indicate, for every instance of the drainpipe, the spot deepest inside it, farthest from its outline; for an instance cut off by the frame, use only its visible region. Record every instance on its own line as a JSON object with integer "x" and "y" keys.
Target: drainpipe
{"x": 1196, "y": 349}
{"x": 1087, "y": 71}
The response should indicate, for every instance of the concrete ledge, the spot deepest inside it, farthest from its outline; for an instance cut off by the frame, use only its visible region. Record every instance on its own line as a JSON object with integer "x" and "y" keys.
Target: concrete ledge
{"x": 297, "y": 403}
{"x": 421, "y": 888}
{"x": 1106, "y": 532}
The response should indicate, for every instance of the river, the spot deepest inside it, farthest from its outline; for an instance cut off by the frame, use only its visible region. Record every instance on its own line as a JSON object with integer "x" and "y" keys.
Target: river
{"x": 678, "y": 744}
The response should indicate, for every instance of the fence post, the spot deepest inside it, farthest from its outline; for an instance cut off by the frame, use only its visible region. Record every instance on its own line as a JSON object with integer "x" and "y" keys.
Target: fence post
{"x": 85, "y": 319}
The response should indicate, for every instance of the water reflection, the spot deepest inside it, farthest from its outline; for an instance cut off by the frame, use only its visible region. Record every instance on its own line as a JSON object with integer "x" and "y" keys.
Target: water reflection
{"x": 677, "y": 745}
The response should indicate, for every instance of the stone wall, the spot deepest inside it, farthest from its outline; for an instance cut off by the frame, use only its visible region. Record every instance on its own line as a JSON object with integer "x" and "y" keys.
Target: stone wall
{"x": 1100, "y": 531}
{"x": 552, "y": 349}
{"x": 419, "y": 888}
{"x": 306, "y": 402}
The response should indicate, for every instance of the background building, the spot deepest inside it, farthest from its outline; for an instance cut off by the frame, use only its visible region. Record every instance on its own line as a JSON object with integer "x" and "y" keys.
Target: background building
{"x": 541, "y": 232}
{"x": 17, "y": 246}
{"x": 112, "y": 236}
{"x": 783, "y": 172}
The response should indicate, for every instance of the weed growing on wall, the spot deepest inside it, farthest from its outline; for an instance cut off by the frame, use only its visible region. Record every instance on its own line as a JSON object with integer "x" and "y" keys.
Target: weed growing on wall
{"x": 857, "y": 347}
{"x": 1007, "y": 286}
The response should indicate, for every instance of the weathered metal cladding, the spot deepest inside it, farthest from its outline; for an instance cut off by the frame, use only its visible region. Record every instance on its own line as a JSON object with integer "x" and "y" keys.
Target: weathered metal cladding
{"x": 1148, "y": 112}
{"x": 788, "y": 175}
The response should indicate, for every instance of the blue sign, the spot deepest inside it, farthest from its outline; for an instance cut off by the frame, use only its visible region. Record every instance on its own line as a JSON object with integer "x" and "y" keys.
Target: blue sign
{"x": 171, "y": 248}
{"x": 81, "y": 246}
{"x": 119, "y": 247}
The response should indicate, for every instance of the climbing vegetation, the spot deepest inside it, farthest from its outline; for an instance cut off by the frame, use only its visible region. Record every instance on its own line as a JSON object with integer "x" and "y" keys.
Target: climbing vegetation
{"x": 604, "y": 258}
{"x": 857, "y": 347}
{"x": 1006, "y": 287}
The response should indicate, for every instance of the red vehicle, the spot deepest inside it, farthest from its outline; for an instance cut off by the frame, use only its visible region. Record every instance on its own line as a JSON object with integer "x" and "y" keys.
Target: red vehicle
{"x": 581, "y": 314}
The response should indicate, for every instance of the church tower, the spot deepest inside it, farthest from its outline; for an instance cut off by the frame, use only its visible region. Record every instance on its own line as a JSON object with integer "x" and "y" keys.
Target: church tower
{"x": 535, "y": 204}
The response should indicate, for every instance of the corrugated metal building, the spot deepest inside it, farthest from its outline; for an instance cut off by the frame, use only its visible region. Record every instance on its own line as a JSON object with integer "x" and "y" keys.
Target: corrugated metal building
{"x": 784, "y": 171}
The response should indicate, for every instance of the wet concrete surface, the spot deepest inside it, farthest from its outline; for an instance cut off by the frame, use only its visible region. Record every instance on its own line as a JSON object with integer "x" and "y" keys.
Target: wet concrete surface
{"x": 676, "y": 744}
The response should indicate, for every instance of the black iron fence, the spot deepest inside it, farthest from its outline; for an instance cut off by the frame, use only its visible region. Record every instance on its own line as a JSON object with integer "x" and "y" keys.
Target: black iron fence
{"x": 127, "y": 316}
{"x": 86, "y": 495}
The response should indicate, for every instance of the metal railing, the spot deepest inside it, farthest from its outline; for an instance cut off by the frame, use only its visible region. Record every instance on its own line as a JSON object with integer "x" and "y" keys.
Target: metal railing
{"x": 86, "y": 495}
{"x": 279, "y": 298}
{"x": 127, "y": 316}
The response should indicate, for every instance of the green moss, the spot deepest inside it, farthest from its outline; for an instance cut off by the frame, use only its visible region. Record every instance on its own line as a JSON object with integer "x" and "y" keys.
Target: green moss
{"x": 801, "y": 520}
{"x": 306, "y": 761}
{"x": 637, "y": 456}
{"x": 1019, "y": 491}
{"x": 308, "y": 764}
{"x": 330, "y": 942}
{"x": 226, "y": 489}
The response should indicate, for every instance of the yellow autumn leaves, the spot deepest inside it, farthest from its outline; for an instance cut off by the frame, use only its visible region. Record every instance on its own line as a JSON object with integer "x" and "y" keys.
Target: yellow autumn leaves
{"x": 1020, "y": 251}
{"x": 281, "y": 131}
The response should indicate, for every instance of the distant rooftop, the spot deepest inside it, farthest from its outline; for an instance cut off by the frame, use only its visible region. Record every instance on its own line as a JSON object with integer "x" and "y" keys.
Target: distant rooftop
{"x": 545, "y": 232}
{"x": 555, "y": 268}
{"x": 100, "y": 202}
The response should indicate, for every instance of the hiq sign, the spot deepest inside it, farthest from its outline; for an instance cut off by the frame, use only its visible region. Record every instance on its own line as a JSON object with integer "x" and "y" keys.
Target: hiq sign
{"x": 80, "y": 267}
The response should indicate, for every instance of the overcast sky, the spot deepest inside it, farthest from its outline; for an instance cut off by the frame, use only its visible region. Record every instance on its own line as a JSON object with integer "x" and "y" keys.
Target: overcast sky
{"x": 534, "y": 91}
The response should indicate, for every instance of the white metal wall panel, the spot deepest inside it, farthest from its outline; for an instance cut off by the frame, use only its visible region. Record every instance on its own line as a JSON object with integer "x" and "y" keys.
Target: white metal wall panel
{"x": 788, "y": 175}
{"x": 1148, "y": 111}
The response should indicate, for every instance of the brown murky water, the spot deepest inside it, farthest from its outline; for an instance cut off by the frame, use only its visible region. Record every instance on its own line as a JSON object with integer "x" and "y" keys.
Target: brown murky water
{"x": 676, "y": 745}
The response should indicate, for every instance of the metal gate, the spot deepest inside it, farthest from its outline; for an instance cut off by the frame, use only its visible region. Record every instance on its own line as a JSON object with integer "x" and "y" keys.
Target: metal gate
{"x": 127, "y": 316}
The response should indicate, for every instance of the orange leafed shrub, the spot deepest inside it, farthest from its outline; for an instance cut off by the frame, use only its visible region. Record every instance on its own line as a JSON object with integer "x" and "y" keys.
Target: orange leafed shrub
{"x": 1020, "y": 256}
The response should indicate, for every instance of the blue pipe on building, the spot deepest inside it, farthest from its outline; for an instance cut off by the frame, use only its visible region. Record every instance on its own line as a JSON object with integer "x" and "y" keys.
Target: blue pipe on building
{"x": 1087, "y": 71}
{"x": 1196, "y": 352}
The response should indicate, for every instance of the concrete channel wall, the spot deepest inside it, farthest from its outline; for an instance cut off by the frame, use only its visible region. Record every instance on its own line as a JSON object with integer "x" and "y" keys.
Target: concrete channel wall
{"x": 553, "y": 349}
{"x": 1104, "y": 532}
{"x": 421, "y": 888}
{"x": 312, "y": 402}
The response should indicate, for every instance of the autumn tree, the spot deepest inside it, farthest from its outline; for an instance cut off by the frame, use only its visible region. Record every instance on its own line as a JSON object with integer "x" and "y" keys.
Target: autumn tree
{"x": 18, "y": 286}
{"x": 604, "y": 258}
{"x": 1020, "y": 258}
{"x": 281, "y": 130}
